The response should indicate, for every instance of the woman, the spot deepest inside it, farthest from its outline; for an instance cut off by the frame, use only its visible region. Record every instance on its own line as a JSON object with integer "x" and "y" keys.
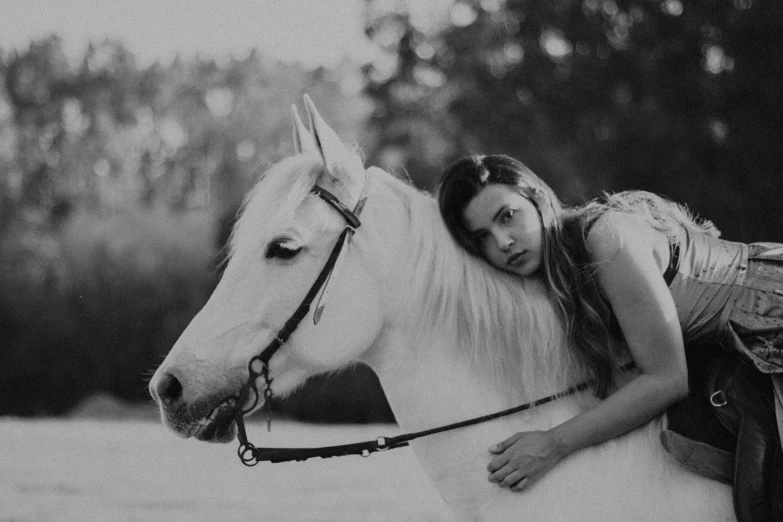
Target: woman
{"x": 637, "y": 266}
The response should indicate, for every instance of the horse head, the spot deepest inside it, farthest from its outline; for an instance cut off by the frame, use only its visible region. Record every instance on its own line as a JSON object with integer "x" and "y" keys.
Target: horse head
{"x": 278, "y": 248}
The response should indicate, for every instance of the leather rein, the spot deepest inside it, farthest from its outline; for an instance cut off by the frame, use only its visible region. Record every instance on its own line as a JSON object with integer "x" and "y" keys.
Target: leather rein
{"x": 258, "y": 366}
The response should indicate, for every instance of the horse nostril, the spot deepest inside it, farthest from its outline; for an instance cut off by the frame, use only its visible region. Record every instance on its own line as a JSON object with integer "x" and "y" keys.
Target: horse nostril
{"x": 169, "y": 388}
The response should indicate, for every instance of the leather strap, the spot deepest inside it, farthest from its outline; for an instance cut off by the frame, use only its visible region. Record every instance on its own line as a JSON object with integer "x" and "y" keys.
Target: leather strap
{"x": 245, "y": 447}
{"x": 366, "y": 448}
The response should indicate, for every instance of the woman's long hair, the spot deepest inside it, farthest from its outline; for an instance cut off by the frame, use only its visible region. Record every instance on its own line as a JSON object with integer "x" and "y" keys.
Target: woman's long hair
{"x": 567, "y": 268}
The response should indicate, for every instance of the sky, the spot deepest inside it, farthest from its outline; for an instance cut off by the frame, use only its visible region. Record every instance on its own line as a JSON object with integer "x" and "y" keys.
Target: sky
{"x": 313, "y": 32}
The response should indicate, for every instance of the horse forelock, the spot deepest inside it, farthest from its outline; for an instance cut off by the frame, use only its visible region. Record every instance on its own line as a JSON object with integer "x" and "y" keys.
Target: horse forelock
{"x": 505, "y": 325}
{"x": 275, "y": 198}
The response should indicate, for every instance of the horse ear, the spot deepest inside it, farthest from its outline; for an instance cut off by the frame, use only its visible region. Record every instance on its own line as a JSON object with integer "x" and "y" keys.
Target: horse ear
{"x": 337, "y": 159}
{"x": 303, "y": 139}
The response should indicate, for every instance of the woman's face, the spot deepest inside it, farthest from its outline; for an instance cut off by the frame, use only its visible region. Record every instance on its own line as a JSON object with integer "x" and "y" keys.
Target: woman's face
{"x": 507, "y": 227}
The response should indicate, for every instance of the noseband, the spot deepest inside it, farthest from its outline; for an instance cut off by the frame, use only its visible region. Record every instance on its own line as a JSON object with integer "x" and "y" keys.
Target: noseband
{"x": 258, "y": 366}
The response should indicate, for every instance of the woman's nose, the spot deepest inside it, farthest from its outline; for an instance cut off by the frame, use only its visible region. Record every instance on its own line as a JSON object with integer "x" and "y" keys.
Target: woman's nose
{"x": 504, "y": 241}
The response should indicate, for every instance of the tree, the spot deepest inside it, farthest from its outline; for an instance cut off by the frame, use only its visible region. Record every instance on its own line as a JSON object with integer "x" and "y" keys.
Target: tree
{"x": 673, "y": 97}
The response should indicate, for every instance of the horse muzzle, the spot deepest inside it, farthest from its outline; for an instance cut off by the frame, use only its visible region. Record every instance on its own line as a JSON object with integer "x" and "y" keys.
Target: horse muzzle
{"x": 210, "y": 419}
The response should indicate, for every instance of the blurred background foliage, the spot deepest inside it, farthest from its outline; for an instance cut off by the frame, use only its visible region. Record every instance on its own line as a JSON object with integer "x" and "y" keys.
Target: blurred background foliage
{"x": 119, "y": 184}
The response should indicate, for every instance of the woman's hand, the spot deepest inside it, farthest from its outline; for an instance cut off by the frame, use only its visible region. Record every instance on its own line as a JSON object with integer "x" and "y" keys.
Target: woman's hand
{"x": 523, "y": 458}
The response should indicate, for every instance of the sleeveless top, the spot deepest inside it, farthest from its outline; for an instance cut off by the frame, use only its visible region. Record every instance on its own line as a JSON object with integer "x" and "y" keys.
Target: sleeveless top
{"x": 730, "y": 293}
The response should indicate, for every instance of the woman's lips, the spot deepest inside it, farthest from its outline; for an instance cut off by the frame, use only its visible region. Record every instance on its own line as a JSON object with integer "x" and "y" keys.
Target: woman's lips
{"x": 515, "y": 259}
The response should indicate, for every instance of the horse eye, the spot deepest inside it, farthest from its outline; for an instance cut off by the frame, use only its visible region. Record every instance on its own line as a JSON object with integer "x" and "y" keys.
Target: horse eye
{"x": 282, "y": 249}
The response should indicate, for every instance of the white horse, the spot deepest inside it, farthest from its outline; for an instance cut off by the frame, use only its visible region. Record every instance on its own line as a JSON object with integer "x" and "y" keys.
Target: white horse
{"x": 449, "y": 337}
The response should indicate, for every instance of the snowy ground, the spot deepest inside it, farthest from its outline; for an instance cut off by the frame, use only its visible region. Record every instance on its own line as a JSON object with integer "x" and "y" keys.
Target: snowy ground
{"x": 96, "y": 470}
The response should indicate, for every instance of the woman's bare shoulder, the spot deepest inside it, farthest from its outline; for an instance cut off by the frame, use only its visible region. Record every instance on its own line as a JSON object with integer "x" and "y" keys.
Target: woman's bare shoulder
{"x": 613, "y": 232}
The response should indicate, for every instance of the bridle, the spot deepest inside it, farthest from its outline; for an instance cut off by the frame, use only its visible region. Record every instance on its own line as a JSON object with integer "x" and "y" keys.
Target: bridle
{"x": 258, "y": 366}
{"x": 249, "y": 454}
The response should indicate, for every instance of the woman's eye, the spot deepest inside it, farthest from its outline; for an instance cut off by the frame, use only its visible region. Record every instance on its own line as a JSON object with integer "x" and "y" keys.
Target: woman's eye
{"x": 507, "y": 215}
{"x": 282, "y": 249}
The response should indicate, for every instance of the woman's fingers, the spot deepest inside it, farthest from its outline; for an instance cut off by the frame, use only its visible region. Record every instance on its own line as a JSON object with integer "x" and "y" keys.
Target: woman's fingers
{"x": 512, "y": 479}
{"x": 521, "y": 459}
{"x": 497, "y": 463}
{"x": 522, "y": 484}
{"x": 499, "y": 474}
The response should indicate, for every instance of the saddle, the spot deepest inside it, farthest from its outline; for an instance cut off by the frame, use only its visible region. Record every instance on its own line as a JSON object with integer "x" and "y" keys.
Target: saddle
{"x": 726, "y": 429}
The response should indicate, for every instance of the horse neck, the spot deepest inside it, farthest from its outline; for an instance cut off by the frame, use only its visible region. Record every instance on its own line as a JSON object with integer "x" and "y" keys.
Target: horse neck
{"x": 460, "y": 334}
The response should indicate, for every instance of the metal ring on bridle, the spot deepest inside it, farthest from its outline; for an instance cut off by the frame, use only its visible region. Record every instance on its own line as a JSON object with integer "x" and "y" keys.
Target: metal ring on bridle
{"x": 242, "y": 452}
{"x": 243, "y": 396}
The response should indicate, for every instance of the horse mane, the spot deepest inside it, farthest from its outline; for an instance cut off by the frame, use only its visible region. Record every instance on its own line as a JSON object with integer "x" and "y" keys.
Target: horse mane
{"x": 505, "y": 325}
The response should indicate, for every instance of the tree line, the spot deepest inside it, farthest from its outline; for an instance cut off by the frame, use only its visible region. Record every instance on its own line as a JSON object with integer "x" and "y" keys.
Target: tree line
{"x": 119, "y": 183}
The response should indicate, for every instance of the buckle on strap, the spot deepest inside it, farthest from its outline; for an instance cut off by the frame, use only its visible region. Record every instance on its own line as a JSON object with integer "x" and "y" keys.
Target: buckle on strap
{"x": 718, "y": 399}
{"x": 380, "y": 444}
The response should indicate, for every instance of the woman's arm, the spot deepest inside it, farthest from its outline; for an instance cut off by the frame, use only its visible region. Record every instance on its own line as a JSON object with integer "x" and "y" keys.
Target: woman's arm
{"x": 624, "y": 249}
{"x": 631, "y": 280}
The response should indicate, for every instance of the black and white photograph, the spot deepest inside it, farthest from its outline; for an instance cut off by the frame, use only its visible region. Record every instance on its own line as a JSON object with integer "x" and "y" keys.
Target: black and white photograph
{"x": 391, "y": 260}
